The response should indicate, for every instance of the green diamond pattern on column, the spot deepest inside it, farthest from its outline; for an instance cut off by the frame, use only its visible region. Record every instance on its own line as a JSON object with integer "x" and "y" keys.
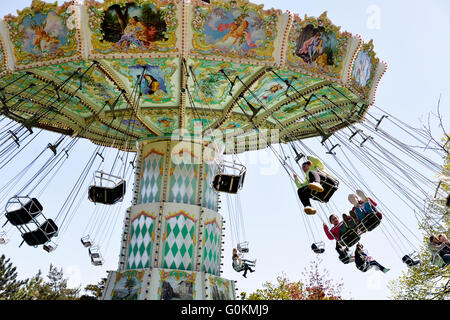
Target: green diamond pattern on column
{"x": 141, "y": 243}
{"x": 179, "y": 242}
{"x": 183, "y": 183}
{"x": 209, "y": 194}
{"x": 211, "y": 254}
{"x": 151, "y": 178}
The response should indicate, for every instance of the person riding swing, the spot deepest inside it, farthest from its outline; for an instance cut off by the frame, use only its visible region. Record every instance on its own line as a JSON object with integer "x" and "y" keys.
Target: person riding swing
{"x": 317, "y": 185}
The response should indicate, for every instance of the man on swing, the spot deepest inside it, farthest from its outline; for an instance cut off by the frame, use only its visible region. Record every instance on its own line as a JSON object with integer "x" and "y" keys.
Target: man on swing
{"x": 315, "y": 176}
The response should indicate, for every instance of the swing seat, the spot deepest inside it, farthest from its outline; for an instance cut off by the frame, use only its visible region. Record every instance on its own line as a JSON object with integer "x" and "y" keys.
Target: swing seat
{"x": 86, "y": 242}
{"x": 364, "y": 267}
{"x": 350, "y": 238}
{"x": 96, "y": 258}
{"x": 370, "y": 221}
{"x": 345, "y": 259}
{"x": 42, "y": 235}
{"x": 229, "y": 183}
{"x": 410, "y": 262}
{"x": 97, "y": 262}
{"x": 318, "y": 247}
{"x": 238, "y": 268}
{"x": 24, "y": 214}
{"x": 243, "y": 247}
{"x": 107, "y": 195}
{"x": 328, "y": 190}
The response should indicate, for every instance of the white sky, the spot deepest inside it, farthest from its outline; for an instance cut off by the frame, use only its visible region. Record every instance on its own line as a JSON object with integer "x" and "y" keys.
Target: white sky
{"x": 410, "y": 36}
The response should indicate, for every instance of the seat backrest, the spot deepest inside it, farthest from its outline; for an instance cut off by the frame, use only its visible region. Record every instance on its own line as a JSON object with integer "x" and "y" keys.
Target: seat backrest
{"x": 350, "y": 238}
{"x": 371, "y": 221}
{"x": 49, "y": 227}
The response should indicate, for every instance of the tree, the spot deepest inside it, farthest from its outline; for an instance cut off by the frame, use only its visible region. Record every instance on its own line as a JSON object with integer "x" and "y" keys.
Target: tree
{"x": 10, "y": 287}
{"x": 95, "y": 289}
{"x": 317, "y": 286}
{"x": 426, "y": 281}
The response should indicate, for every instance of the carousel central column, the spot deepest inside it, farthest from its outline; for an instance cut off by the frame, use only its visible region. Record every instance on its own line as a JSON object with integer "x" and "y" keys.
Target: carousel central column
{"x": 172, "y": 239}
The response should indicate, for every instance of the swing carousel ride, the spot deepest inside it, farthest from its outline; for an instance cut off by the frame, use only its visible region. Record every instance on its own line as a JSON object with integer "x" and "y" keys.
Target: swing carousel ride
{"x": 173, "y": 86}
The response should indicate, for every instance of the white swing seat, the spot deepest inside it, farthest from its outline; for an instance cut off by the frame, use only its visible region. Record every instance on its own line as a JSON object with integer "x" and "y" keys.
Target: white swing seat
{"x": 86, "y": 241}
{"x": 243, "y": 247}
{"x": 318, "y": 247}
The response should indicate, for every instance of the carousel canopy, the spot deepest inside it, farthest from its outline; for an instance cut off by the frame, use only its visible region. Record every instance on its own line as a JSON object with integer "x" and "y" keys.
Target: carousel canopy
{"x": 118, "y": 71}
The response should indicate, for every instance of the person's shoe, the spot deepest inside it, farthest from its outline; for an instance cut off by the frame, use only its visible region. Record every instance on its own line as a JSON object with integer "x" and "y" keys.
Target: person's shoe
{"x": 252, "y": 271}
{"x": 361, "y": 195}
{"x": 353, "y": 199}
{"x": 315, "y": 186}
{"x": 244, "y": 276}
{"x": 385, "y": 270}
{"x": 354, "y": 216}
{"x": 310, "y": 210}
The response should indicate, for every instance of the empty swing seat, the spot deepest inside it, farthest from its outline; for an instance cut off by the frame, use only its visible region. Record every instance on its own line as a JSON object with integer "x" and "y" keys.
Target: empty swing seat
{"x": 410, "y": 262}
{"x": 318, "y": 247}
{"x": 228, "y": 183}
{"x": 243, "y": 247}
{"x": 329, "y": 188}
{"x": 42, "y": 235}
{"x": 370, "y": 221}
{"x": 350, "y": 238}
{"x": 106, "y": 195}
{"x": 24, "y": 214}
{"x": 86, "y": 242}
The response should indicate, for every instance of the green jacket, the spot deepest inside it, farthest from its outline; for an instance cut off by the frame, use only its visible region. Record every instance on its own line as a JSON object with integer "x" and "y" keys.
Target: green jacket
{"x": 316, "y": 164}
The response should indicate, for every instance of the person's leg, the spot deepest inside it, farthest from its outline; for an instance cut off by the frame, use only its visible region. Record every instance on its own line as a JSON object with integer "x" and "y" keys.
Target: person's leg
{"x": 249, "y": 262}
{"x": 245, "y": 271}
{"x": 304, "y": 194}
{"x": 446, "y": 258}
{"x": 379, "y": 266}
{"x": 313, "y": 177}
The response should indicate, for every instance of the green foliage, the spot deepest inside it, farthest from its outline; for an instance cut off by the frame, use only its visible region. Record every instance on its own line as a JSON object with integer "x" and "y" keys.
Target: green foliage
{"x": 426, "y": 281}
{"x": 10, "y": 287}
{"x": 316, "y": 286}
{"x": 95, "y": 289}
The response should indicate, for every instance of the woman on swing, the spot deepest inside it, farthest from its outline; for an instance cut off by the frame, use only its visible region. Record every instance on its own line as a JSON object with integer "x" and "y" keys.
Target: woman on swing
{"x": 315, "y": 176}
{"x": 240, "y": 264}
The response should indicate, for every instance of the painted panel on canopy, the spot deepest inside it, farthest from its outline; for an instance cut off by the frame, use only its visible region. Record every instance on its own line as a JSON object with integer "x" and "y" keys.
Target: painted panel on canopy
{"x": 128, "y": 26}
{"x": 234, "y": 29}
{"x": 213, "y": 87}
{"x": 126, "y": 121}
{"x": 96, "y": 87}
{"x": 43, "y": 32}
{"x": 271, "y": 90}
{"x": 196, "y": 125}
{"x": 165, "y": 120}
{"x": 363, "y": 69}
{"x": 317, "y": 46}
{"x": 159, "y": 85}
